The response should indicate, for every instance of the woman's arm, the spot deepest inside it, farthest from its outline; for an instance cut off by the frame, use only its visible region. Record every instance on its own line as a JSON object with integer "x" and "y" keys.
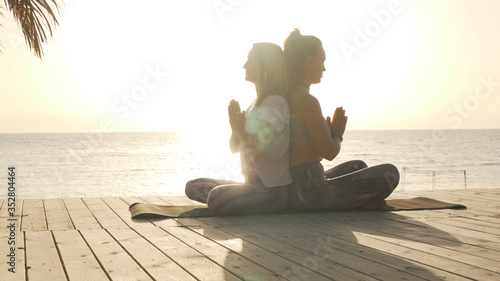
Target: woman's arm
{"x": 255, "y": 144}
{"x": 262, "y": 127}
{"x": 269, "y": 120}
{"x": 319, "y": 130}
{"x": 234, "y": 143}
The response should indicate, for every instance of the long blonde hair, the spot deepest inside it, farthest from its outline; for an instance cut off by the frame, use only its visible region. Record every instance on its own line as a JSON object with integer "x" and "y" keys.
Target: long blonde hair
{"x": 269, "y": 61}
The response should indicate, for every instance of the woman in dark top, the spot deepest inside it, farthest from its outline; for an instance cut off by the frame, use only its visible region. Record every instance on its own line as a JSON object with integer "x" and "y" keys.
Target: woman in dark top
{"x": 312, "y": 138}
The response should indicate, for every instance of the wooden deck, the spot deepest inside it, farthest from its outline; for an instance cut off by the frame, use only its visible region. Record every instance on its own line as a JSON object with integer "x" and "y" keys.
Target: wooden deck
{"x": 95, "y": 239}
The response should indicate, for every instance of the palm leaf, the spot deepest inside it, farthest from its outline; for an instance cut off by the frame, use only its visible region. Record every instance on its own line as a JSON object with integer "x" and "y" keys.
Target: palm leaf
{"x": 34, "y": 17}
{"x": 1, "y": 16}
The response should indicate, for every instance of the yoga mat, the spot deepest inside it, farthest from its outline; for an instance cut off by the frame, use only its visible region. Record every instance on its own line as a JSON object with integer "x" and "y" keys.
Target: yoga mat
{"x": 194, "y": 211}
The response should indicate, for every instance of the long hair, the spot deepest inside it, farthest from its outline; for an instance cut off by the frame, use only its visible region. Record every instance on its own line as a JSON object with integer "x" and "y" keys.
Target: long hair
{"x": 296, "y": 48}
{"x": 270, "y": 79}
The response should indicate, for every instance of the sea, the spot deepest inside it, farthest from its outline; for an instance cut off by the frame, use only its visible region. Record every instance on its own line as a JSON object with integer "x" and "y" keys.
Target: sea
{"x": 160, "y": 163}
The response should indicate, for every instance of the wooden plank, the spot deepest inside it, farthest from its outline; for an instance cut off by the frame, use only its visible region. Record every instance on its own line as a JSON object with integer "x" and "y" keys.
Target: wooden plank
{"x": 440, "y": 215}
{"x": 486, "y": 192}
{"x": 452, "y": 227}
{"x": 33, "y": 218}
{"x": 475, "y": 216}
{"x": 491, "y": 225}
{"x": 42, "y": 259}
{"x": 103, "y": 214}
{"x": 282, "y": 266}
{"x": 431, "y": 258}
{"x": 494, "y": 230}
{"x": 387, "y": 253}
{"x": 470, "y": 194}
{"x": 456, "y": 193}
{"x": 465, "y": 237}
{"x": 310, "y": 255}
{"x": 468, "y": 198}
{"x": 343, "y": 243}
{"x": 474, "y": 212}
{"x": 154, "y": 200}
{"x": 192, "y": 261}
{"x": 420, "y": 231}
{"x": 78, "y": 260}
{"x": 234, "y": 262}
{"x": 179, "y": 200}
{"x": 80, "y": 215}
{"x": 57, "y": 215}
{"x": 131, "y": 200}
{"x": 153, "y": 261}
{"x": 436, "y": 244}
{"x": 491, "y": 241}
{"x": 450, "y": 249}
{"x": 113, "y": 258}
{"x": 420, "y": 252}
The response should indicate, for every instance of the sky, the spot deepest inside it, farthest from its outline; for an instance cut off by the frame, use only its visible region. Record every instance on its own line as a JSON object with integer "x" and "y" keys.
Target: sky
{"x": 127, "y": 66}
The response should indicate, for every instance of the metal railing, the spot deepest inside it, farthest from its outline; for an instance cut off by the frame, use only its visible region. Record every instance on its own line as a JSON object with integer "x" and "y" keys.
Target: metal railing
{"x": 422, "y": 177}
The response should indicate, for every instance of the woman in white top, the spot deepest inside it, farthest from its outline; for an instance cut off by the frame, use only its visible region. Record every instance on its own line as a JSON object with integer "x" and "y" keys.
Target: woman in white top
{"x": 261, "y": 136}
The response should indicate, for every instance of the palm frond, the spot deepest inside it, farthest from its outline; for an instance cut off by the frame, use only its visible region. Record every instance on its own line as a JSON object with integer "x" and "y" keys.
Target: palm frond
{"x": 1, "y": 16}
{"x": 34, "y": 17}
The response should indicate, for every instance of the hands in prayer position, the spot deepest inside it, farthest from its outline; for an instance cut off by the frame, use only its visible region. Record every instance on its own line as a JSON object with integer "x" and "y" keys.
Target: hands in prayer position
{"x": 338, "y": 123}
{"x": 236, "y": 117}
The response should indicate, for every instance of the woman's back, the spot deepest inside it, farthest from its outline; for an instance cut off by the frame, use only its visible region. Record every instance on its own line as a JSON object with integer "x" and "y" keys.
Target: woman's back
{"x": 269, "y": 123}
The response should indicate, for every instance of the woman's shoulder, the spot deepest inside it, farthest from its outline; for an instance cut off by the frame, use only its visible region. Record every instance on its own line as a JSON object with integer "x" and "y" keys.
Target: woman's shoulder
{"x": 275, "y": 100}
{"x": 303, "y": 99}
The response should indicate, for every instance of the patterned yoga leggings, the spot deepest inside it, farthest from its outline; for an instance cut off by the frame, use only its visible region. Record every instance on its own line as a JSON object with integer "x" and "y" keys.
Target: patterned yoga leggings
{"x": 224, "y": 196}
{"x": 348, "y": 185}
